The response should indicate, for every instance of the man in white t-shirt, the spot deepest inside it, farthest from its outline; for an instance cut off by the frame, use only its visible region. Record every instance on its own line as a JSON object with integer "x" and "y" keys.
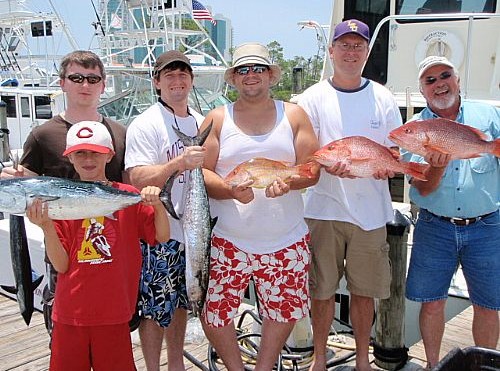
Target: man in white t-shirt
{"x": 154, "y": 153}
{"x": 260, "y": 234}
{"x": 347, "y": 216}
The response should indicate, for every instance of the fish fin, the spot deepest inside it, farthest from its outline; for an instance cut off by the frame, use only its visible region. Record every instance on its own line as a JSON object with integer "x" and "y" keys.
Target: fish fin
{"x": 166, "y": 196}
{"x": 268, "y": 161}
{"x": 45, "y": 198}
{"x": 479, "y": 133}
{"x": 496, "y": 148}
{"x": 434, "y": 148}
{"x": 308, "y": 170}
{"x": 359, "y": 160}
{"x": 37, "y": 282}
{"x": 10, "y": 289}
{"x": 213, "y": 221}
{"x": 416, "y": 170}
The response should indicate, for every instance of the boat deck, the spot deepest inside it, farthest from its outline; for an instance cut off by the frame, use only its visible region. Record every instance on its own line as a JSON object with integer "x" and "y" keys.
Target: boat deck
{"x": 26, "y": 348}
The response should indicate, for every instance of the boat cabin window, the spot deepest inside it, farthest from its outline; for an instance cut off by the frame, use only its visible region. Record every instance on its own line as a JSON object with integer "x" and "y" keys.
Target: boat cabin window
{"x": 10, "y": 101}
{"x": 43, "y": 110}
{"x": 445, "y": 6}
{"x": 25, "y": 107}
{"x": 372, "y": 12}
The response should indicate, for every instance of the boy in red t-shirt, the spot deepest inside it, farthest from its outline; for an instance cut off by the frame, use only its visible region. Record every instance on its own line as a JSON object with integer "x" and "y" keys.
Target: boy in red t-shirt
{"x": 98, "y": 261}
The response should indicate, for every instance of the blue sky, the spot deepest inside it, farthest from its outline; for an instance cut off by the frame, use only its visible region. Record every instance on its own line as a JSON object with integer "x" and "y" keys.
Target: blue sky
{"x": 257, "y": 20}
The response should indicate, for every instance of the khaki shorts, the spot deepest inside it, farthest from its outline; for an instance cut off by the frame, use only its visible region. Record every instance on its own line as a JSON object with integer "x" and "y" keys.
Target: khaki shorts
{"x": 340, "y": 248}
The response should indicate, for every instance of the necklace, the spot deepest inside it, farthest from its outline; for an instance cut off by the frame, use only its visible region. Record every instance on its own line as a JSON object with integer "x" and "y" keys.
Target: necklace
{"x": 173, "y": 113}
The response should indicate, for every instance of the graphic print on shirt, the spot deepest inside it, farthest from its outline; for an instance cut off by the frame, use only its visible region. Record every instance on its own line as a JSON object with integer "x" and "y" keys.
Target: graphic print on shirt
{"x": 176, "y": 149}
{"x": 95, "y": 248}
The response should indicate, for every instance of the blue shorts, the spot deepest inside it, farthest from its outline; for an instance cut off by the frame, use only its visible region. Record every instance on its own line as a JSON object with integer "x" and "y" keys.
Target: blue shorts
{"x": 163, "y": 281}
{"x": 440, "y": 246}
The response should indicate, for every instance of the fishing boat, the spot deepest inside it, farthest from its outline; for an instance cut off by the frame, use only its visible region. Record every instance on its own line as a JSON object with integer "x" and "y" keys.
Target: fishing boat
{"x": 130, "y": 35}
{"x": 404, "y": 32}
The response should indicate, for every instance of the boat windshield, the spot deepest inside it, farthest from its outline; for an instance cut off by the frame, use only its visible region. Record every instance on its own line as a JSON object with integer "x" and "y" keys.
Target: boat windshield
{"x": 444, "y": 6}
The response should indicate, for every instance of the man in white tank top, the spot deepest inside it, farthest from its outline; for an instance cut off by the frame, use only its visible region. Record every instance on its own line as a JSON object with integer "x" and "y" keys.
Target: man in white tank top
{"x": 260, "y": 233}
{"x": 346, "y": 216}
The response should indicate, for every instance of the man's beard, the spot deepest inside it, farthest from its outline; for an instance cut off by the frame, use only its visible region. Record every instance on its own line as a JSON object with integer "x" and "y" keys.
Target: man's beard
{"x": 445, "y": 102}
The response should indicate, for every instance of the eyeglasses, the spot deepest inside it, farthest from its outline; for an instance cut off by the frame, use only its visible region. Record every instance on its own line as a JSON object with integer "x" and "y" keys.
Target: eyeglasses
{"x": 256, "y": 68}
{"x": 429, "y": 80}
{"x": 345, "y": 47}
{"x": 78, "y": 78}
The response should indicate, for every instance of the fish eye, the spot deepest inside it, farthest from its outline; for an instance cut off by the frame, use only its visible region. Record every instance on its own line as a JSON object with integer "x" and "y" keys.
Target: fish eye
{"x": 408, "y": 131}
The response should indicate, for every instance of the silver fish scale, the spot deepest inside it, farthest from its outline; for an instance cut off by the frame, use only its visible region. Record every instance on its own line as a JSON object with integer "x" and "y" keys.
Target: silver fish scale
{"x": 66, "y": 199}
{"x": 197, "y": 232}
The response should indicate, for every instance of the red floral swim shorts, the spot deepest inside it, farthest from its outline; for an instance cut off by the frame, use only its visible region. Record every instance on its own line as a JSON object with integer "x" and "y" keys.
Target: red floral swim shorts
{"x": 281, "y": 281}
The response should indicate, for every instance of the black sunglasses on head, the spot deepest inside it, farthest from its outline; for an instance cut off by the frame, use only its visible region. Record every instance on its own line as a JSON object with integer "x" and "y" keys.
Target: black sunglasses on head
{"x": 78, "y": 78}
{"x": 256, "y": 68}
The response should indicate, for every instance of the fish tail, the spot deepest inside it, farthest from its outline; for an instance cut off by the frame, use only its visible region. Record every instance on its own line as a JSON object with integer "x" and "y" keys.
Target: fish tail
{"x": 193, "y": 141}
{"x": 37, "y": 282}
{"x": 496, "y": 148}
{"x": 416, "y": 170}
{"x": 309, "y": 169}
{"x": 200, "y": 139}
{"x": 166, "y": 196}
{"x": 10, "y": 289}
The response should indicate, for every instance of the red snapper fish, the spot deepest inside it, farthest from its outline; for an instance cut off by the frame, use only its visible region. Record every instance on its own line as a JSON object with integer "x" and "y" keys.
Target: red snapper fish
{"x": 264, "y": 172}
{"x": 365, "y": 157}
{"x": 445, "y": 136}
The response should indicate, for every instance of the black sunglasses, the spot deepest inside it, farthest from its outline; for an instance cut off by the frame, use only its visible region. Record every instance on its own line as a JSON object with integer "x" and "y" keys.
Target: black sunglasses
{"x": 443, "y": 76}
{"x": 256, "y": 68}
{"x": 78, "y": 78}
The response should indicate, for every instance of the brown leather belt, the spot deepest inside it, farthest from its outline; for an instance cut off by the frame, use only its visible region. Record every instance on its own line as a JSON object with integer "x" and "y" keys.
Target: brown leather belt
{"x": 463, "y": 221}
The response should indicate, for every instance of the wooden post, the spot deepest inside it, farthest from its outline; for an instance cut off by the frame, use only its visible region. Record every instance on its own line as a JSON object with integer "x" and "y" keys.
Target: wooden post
{"x": 389, "y": 349}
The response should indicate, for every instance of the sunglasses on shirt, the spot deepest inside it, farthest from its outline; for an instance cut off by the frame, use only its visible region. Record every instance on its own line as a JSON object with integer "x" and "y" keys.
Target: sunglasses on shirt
{"x": 78, "y": 78}
{"x": 429, "y": 80}
{"x": 256, "y": 68}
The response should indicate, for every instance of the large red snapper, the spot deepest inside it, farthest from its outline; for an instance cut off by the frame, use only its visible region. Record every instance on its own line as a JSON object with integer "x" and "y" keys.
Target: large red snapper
{"x": 365, "y": 157}
{"x": 445, "y": 136}
{"x": 264, "y": 171}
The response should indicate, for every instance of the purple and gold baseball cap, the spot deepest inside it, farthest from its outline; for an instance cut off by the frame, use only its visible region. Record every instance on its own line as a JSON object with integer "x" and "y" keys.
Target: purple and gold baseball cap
{"x": 352, "y": 26}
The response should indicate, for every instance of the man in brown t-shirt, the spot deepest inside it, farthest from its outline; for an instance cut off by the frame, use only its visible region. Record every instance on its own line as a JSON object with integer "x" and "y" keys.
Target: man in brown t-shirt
{"x": 82, "y": 78}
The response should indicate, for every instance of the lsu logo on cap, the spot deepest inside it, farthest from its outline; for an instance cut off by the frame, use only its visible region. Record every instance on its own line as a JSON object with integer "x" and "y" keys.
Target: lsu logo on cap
{"x": 353, "y": 26}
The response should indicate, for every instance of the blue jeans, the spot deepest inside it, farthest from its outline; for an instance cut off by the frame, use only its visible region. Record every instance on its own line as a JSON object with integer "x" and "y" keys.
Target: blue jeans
{"x": 439, "y": 246}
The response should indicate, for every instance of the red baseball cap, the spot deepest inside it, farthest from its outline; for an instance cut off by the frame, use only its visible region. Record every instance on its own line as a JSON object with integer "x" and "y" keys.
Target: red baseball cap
{"x": 90, "y": 136}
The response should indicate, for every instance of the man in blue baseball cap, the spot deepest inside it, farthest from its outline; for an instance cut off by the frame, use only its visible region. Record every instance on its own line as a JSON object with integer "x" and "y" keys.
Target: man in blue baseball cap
{"x": 346, "y": 216}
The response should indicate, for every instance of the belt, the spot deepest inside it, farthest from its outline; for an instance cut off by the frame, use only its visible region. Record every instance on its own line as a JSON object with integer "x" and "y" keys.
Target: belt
{"x": 463, "y": 221}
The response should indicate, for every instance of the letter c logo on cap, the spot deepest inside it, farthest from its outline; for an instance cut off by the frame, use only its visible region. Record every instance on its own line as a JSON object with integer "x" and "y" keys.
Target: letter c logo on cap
{"x": 85, "y": 132}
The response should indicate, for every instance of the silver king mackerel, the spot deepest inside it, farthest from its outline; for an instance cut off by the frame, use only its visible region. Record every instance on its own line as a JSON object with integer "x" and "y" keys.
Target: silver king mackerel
{"x": 66, "y": 199}
{"x": 197, "y": 226}
{"x": 25, "y": 283}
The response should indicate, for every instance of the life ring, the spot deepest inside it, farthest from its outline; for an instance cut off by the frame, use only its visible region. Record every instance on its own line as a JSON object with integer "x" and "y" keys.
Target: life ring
{"x": 442, "y": 43}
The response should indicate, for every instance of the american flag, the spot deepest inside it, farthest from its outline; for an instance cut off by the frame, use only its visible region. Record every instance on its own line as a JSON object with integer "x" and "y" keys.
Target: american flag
{"x": 200, "y": 12}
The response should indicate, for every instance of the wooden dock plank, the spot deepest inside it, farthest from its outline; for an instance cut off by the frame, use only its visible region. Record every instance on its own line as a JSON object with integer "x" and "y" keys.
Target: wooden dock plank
{"x": 26, "y": 348}
{"x": 457, "y": 333}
